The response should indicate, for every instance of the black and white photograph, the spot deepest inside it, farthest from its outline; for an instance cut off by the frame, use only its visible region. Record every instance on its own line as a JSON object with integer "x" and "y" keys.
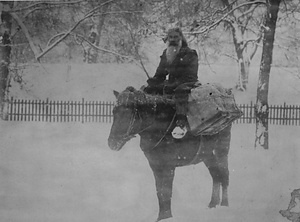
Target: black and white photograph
{"x": 150, "y": 111}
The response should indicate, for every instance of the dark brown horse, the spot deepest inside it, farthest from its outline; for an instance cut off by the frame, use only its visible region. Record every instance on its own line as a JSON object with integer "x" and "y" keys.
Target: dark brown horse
{"x": 153, "y": 118}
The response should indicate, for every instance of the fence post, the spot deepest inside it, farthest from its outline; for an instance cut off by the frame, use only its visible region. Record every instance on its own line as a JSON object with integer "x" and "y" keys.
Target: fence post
{"x": 297, "y": 115}
{"x": 289, "y": 114}
{"x": 251, "y": 111}
{"x": 11, "y": 108}
{"x": 82, "y": 111}
{"x": 68, "y": 111}
{"x": 75, "y": 111}
{"x": 25, "y": 110}
{"x": 18, "y": 108}
{"x": 110, "y": 111}
{"x": 96, "y": 111}
{"x": 46, "y": 107}
{"x": 50, "y": 111}
{"x": 284, "y": 114}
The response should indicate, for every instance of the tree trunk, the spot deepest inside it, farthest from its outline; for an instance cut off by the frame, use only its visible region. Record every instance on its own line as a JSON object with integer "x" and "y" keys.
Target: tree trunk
{"x": 101, "y": 22}
{"x": 90, "y": 53}
{"x": 243, "y": 58}
{"x": 262, "y": 107}
{"x": 5, "y": 49}
{"x": 243, "y": 72}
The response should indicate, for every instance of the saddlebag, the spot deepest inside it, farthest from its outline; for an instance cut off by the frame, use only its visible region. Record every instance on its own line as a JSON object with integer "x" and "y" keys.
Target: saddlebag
{"x": 211, "y": 108}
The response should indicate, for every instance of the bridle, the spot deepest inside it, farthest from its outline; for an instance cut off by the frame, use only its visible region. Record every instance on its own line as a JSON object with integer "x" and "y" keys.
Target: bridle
{"x": 136, "y": 116}
{"x": 129, "y": 132}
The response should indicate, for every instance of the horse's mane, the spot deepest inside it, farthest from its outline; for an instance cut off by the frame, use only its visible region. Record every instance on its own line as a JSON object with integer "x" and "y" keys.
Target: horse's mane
{"x": 130, "y": 96}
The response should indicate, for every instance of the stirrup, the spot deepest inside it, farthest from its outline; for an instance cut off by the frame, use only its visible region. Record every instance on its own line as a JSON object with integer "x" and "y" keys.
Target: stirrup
{"x": 179, "y": 132}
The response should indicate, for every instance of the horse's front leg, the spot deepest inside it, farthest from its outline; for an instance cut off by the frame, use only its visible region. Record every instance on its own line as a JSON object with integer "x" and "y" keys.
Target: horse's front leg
{"x": 164, "y": 184}
{"x": 225, "y": 195}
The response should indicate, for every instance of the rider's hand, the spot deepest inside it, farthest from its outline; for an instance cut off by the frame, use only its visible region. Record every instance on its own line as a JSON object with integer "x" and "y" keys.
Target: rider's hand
{"x": 152, "y": 81}
{"x": 169, "y": 88}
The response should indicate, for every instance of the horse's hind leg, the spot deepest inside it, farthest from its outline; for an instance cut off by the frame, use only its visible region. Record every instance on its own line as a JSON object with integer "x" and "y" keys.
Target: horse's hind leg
{"x": 217, "y": 165}
{"x": 164, "y": 184}
{"x": 220, "y": 176}
{"x": 222, "y": 155}
{"x": 215, "y": 174}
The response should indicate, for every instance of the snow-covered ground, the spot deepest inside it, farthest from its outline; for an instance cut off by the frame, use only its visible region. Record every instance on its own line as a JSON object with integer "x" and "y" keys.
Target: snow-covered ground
{"x": 65, "y": 172}
{"x": 61, "y": 172}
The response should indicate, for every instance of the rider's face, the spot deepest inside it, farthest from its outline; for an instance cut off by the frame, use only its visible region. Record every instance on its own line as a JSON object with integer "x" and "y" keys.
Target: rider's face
{"x": 174, "y": 38}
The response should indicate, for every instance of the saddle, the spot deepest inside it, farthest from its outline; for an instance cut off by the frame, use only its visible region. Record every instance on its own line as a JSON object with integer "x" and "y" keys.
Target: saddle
{"x": 211, "y": 108}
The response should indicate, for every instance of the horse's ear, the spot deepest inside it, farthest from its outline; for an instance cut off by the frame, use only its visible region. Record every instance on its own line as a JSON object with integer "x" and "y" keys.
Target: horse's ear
{"x": 116, "y": 93}
{"x": 131, "y": 89}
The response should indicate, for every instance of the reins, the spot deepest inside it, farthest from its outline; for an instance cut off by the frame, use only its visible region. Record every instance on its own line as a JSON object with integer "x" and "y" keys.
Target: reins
{"x": 133, "y": 118}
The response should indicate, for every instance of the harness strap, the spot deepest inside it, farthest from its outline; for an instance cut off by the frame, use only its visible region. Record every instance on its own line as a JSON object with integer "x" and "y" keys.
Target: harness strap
{"x": 195, "y": 159}
{"x": 132, "y": 120}
{"x": 169, "y": 127}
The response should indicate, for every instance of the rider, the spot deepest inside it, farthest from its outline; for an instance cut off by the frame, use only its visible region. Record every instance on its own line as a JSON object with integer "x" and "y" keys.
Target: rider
{"x": 180, "y": 64}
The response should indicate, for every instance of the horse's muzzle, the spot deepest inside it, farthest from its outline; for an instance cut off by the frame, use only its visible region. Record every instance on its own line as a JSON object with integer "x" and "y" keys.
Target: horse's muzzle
{"x": 115, "y": 144}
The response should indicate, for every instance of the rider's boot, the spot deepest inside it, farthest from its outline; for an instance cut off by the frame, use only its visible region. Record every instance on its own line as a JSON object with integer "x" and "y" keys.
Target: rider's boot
{"x": 181, "y": 127}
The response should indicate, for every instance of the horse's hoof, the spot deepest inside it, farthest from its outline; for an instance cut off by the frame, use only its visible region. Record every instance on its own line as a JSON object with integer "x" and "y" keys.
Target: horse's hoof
{"x": 212, "y": 205}
{"x": 225, "y": 203}
{"x": 164, "y": 216}
{"x": 166, "y": 220}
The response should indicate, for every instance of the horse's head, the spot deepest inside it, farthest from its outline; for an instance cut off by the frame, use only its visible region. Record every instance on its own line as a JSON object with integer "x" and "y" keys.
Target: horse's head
{"x": 125, "y": 119}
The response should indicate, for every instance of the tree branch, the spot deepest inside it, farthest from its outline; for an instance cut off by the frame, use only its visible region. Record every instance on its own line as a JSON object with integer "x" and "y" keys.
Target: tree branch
{"x": 139, "y": 56}
{"x": 116, "y": 12}
{"x": 230, "y": 56}
{"x": 102, "y": 49}
{"x": 252, "y": 8}
{"x": 259, "y": 37}
{"x": 57, "y": 3}
{"x": 213, "y": 25}
{"x": 140, "y": 63}
{"x": 92, "y": 12}
{"x": 66, "y": 34}
{"x": 93, "y": 45}
{"x": 130, "y": 58}
{"x": 26, "y": 33}
{"x": 33, "y": 10}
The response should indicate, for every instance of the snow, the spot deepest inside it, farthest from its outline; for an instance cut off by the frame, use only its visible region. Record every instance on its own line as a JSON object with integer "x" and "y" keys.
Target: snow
{"x": 97, "y": 81}
{"x": 65, "y": 171}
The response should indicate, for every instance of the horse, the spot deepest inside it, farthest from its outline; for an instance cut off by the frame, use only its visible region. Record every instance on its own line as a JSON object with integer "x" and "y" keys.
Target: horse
{"x": 153, "y": 117}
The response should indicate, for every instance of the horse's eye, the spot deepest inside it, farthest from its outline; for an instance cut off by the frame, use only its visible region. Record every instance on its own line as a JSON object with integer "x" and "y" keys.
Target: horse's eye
{"x": 118, "y": 109}
{"x": 114, "y": 110}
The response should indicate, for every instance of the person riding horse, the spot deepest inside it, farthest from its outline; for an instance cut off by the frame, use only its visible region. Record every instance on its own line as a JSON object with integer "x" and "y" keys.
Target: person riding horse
{"x": 180, "y": 64}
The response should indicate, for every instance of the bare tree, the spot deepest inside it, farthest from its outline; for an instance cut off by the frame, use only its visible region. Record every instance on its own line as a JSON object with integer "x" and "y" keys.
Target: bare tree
{"x": 244, "y": 19}
{"x": 5, "y": 50}
{"x": 69, "y": 19}
{"x": 95, "y": 32}
{"x": 245, "y": 22}
{"x": 262, "y": 106}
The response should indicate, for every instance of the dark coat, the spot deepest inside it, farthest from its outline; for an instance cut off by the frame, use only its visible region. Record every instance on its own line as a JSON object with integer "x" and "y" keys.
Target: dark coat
{"x": 183, "y": 69}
